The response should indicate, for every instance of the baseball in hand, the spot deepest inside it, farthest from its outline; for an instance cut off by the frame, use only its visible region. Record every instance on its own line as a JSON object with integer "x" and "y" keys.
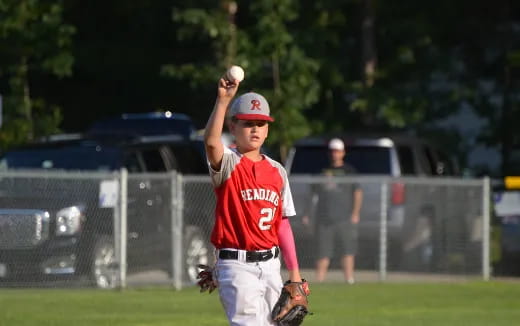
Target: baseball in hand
{"x": 235, "y": 74}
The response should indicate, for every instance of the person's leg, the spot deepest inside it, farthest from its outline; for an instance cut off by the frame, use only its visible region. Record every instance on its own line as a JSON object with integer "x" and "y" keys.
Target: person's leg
{"x": 348, "y": 241}
{"x": 241, "y": 292}
{"x": 348, "y": 268}
{"x": 273, "y": 283}
{"x": 325, "y": 251}
{"x": 322, "y": 266}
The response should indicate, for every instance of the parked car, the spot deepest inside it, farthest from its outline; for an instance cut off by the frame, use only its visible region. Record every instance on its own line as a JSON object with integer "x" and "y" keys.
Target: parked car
{"x": 48, "y": 229}
{"x": 416, "y": 214}
{"x": 144, "y": 124}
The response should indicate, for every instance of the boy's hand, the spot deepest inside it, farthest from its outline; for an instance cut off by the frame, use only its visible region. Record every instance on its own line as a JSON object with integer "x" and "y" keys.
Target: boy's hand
{"x": 227, "y": 89}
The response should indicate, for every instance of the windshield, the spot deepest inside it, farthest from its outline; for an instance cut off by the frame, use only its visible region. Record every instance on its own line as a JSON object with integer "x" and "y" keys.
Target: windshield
{"x": 365, "y": 159}
{"x": 67, "y": 158}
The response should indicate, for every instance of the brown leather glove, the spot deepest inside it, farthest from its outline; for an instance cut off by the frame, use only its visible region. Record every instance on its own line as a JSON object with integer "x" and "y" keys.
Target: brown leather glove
{"x": 292, "y": 306}
{"x": 206, "y": 281}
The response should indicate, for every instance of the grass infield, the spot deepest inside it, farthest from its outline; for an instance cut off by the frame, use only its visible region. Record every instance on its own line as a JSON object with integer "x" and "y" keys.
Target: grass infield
{"x": 447, "y": 304}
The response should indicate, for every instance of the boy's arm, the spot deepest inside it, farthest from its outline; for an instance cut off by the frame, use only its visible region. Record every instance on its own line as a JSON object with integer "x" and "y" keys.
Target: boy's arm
{"x": 288, "y": 247}
{"x": 213, "y": 132}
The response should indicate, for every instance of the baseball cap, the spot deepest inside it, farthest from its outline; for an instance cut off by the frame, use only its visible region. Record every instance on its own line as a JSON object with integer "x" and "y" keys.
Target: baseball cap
{"x": 250, "y": 106}
{"x": 336, "y": 144}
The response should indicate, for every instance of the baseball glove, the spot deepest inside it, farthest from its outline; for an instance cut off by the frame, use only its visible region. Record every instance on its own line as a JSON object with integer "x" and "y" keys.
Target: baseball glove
{"x": 206, "y": 281}
{"x": 291, "y": 308}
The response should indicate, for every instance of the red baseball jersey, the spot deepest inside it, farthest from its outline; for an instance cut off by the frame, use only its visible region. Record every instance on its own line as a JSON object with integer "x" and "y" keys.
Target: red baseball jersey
{"x": 252, "y": 197}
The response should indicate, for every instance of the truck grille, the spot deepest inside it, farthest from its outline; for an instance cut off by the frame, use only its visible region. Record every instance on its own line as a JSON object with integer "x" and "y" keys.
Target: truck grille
{"x": 23, "y": 228}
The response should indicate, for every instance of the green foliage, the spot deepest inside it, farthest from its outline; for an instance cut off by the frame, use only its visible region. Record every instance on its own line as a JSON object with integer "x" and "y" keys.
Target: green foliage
{"x": 209, "y": 26}
{"x": 34, "y": 29}
{"x": 276, "y": 66}
{"x": 432, "y": 59}
{"x": 288, "y": 72}
{"x": 34, "y": 40}
{"x": 306, "y": 56}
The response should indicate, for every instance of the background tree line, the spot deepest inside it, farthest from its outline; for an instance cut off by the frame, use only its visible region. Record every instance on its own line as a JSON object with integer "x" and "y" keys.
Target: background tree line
{"x": 326, "y": 66}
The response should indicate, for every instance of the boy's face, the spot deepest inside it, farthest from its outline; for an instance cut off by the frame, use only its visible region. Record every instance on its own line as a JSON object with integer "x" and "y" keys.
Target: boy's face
{"x": 249, "y": 134}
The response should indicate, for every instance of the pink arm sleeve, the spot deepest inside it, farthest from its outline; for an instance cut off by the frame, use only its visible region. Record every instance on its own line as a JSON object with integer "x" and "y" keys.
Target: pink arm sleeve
{"x": 286, "y": 241}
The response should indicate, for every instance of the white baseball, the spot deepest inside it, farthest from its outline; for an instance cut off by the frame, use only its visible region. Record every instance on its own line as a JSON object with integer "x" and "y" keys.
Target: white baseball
{"x": 235, "y": 73}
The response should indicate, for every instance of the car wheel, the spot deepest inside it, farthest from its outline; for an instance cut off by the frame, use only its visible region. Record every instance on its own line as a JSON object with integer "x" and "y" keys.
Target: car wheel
{"x": 103, "y": 272}
{"x": 196, "y": 251}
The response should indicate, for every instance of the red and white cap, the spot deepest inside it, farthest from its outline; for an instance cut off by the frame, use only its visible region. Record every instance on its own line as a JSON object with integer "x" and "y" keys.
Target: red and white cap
{"x": 250, "y": 106}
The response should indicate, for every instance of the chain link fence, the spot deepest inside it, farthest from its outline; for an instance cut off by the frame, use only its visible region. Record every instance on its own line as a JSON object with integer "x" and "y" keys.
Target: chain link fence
{"x": 407, "y": 225}
{"x": 116, "y": 229}
{"x": 56, "y": 225}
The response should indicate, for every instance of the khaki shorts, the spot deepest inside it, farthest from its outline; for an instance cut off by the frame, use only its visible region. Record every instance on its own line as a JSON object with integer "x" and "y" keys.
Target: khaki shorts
{"x": 345, "y": 234}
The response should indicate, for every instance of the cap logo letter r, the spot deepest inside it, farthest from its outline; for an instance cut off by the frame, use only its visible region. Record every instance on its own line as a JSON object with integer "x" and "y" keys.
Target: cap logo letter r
{"x": 255, "y": 104}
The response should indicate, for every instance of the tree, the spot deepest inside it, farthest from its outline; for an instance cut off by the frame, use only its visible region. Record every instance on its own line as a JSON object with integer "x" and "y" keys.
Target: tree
{"x": 257, "y": 36}
{"x": 414, "y": 64}
{"x": 33, "y": 40}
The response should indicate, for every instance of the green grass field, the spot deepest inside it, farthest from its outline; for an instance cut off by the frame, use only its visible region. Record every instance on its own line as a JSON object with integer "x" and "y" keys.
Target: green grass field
{"x": 457, "y": 304}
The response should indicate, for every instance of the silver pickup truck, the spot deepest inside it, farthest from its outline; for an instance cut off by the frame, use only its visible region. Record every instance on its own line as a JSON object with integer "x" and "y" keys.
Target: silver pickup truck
{"x": 418, "y": 215}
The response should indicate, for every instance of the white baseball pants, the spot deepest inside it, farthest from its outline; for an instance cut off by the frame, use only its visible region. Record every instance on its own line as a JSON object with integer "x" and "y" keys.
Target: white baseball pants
{"x": 248, "y": 290}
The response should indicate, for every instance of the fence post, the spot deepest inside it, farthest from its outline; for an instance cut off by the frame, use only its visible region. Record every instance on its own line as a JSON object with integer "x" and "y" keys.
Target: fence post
{"x": 123, "y": 205}
{"x": 486, "y": 197}
{"x": 176, "y": 231}
{"x": 383, "y": 232}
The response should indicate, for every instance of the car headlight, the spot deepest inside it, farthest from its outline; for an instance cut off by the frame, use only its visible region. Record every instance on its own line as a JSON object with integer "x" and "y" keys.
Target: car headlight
{"x": 68, "y": 220}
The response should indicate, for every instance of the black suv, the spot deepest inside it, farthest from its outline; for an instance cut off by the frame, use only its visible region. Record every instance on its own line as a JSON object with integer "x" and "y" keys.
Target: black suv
{"x": 48, "y": 229}
{"x": 412, "y": 216}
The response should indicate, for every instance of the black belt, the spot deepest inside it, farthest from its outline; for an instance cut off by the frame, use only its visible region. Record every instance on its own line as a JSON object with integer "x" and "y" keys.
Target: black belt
{"x": 251, "y": 256}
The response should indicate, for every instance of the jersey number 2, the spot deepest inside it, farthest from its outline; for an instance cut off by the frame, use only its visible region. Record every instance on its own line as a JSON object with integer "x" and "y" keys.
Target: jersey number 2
{"x": 267, "y": 214}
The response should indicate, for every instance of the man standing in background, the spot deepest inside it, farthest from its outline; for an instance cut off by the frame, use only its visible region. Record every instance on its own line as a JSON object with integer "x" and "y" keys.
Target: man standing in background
{"x": 338, "y": 208}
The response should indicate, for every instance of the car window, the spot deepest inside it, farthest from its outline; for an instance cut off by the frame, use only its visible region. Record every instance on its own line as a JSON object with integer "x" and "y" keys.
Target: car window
{"x": 406, "y": 160}
{"x": 189, "y": 159}
{"x": 153, "y": 160}
{"x": 309, "y": 160}
{"x": 132, "y": 163}
{"x": 369, "y": 159}
{"x": 365, "y": 159}
{"x": 444, "y": 165}
{"x": 144, "y": 126}
{"x": 426, "y": 160}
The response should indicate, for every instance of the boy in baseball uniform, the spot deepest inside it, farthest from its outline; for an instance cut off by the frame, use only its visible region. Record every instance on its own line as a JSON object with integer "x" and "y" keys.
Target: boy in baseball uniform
{"x": 253, "y": 203}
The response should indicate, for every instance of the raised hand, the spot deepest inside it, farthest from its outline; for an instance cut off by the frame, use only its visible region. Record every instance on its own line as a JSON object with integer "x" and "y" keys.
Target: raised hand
{"x": 227, "y": 89}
